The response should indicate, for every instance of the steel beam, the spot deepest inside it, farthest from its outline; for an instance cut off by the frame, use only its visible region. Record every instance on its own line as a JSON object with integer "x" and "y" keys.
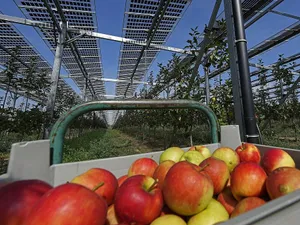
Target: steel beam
{"x": 283, "y": 99}
{"x": 89, "y": 33}
{"x": 163, "y": 5}
{"x": 205, "y": 42}
{"x": 207, "y": 88}
{"x": 73, "y": 47}
{"x": 152, "y": 15}
{"x": 243, "y": 65}
{"x": 55, "y": 75}
{"x": 128, "y": 40}
{"x": 271, "y": 67}
{"x": 263, "y": 13}
{"x": 236, "y": 86}
{"x": 285, "y": 14}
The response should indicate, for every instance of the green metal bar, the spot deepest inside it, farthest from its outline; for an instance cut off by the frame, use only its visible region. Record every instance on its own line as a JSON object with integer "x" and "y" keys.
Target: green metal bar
{"x": 60, "y": 127}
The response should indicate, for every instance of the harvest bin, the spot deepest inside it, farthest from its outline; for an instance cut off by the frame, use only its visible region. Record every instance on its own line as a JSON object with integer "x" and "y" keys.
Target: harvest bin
{"x": 42, "y": 159}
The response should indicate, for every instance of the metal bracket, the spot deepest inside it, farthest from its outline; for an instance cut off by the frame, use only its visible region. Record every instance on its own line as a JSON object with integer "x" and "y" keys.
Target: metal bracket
{"x": 241, "y": 40}
{"x": 74, "y": 39}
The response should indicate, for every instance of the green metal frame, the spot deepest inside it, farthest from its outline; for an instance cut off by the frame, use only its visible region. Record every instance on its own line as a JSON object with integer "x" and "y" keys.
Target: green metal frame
{"x": 60, "y": 127}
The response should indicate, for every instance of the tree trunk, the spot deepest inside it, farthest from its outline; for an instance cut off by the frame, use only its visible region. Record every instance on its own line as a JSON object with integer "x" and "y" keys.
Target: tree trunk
{"x": 26, "y": 103}
{"x": 5, "y": 96}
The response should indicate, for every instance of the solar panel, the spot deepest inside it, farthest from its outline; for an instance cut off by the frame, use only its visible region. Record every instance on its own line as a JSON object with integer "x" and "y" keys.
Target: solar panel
{"x": 10, "y": 37}
{"x": 138, "y": 18}
{"x": 79, "y": 14}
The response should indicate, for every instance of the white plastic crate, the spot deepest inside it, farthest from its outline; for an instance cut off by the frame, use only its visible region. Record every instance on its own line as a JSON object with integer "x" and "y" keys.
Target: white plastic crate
{"x": 31, "y": 160}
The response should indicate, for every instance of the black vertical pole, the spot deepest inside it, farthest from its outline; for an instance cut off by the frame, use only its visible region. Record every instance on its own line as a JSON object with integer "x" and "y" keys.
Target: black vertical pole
{"x": 243, "y": 64}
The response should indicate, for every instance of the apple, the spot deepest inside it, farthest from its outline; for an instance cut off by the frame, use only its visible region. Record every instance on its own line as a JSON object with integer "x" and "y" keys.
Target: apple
{"x": 214, "y": 213}
{"x": 246, "y": 205}
{"x": 228, "y": 155}
{"x": 192, "y": 157}
{"x": 101, "y": 180}
{"x": 283, "y": 181}
{"x": 248, "y": 180}
{"x": 168, "y": 219}
{"x": 68, "y": 204}
{"x": 187, "y": 189}
{"x": 275, "y": 158}
{"x": 218, "y": 172}
{"x": 227, "y": 200}
{"x": 161, "y": 171}
{"x": 111, "y": 217}
{"x": 122, "y": 179}
{"x": 138, "y": 200}
{"x": 202, "y": 149}
{"x": 172, "y": 153}
{"x": 143, "y": 166}
{"x": 248, "y": 152}
{"x": 18, "y": 198}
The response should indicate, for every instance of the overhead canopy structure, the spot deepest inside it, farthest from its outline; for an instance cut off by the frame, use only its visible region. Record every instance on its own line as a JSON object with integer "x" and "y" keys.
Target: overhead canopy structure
{"x": 79, "y": 14}
{"x": 151, "y": 21}
{"x": 10, "y": 38}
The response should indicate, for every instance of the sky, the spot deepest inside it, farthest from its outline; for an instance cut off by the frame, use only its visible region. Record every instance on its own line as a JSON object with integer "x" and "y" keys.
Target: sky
{"x": 110, "y": 21}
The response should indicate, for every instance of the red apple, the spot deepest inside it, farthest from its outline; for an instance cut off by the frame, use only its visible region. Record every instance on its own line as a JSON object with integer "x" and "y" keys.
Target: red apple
{"x": 95, "y": 177}
{"x": 18, "y": 198}
{"x": 138, "y": 200}
{"x": 142, "y": 166}
{"x": 68, "y": 204}
{"x": 248, "y": 152}
{"x": 161, "y": 172}
{"x": 202, "y": 149}
{"x": 283, "y": 181}
{"x": 111, "y": 217}
{"x": 248, "y": 180}
{"x": 227, "y": 200}
{"x": 187, "y": 189}
{"x": 275, "y": 158}
{"x": 218, "y": 172}
{"x": 122, "y": 179}
{"x": 228, "y": 155}
{"x": 246, "y": 205}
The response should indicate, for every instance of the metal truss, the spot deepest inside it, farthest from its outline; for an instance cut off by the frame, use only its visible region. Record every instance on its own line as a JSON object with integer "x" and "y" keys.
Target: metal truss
{"x": 149, "y": 22}
{"x": 11, "y": 37}
{"x": 77, "y": 14}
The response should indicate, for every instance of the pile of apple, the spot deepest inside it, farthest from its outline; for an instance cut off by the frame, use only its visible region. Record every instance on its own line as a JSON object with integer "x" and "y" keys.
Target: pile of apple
{"x": 194, "y": 187}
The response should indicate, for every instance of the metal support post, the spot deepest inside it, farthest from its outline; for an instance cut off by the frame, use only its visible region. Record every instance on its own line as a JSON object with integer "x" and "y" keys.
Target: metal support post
{"x": 207, "y": 91}
{"x": 243, "y": 64}
{"x": 55, "y": 76}
{"x": 234, "y": 71}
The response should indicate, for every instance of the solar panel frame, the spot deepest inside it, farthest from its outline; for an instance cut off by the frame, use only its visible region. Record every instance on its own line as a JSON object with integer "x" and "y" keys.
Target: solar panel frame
{"x": 79, "y": 14}
{"x": 10, "y": 37}
{"x": 136, "y": 26}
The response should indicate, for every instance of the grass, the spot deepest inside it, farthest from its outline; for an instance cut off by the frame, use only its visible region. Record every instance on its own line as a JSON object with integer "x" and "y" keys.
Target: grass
{"x": 105, "y": 143}
{"x": 102, "y": 144}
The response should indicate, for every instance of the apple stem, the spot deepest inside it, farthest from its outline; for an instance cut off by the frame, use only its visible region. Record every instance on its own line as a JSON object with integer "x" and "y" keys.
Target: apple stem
{"x": 153, "y": 185}
{"x": 98, "y": 186}
{"x": 203, "y": 167}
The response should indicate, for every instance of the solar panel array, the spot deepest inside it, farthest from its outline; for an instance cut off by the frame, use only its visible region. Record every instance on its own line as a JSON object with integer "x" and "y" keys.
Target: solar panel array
{"x": 10, "y": 37}
{"x": 79, "y": 14}
{"x": 137, "y": 22}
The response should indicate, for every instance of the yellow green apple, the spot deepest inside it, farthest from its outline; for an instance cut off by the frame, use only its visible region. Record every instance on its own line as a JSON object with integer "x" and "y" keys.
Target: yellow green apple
{"x": 214, "y": 213}
{"x": 169, "y": 219}
{"x": 192, "y": 157}
{"x": 172, "y": 153}
{"x": 202, "y": 149}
